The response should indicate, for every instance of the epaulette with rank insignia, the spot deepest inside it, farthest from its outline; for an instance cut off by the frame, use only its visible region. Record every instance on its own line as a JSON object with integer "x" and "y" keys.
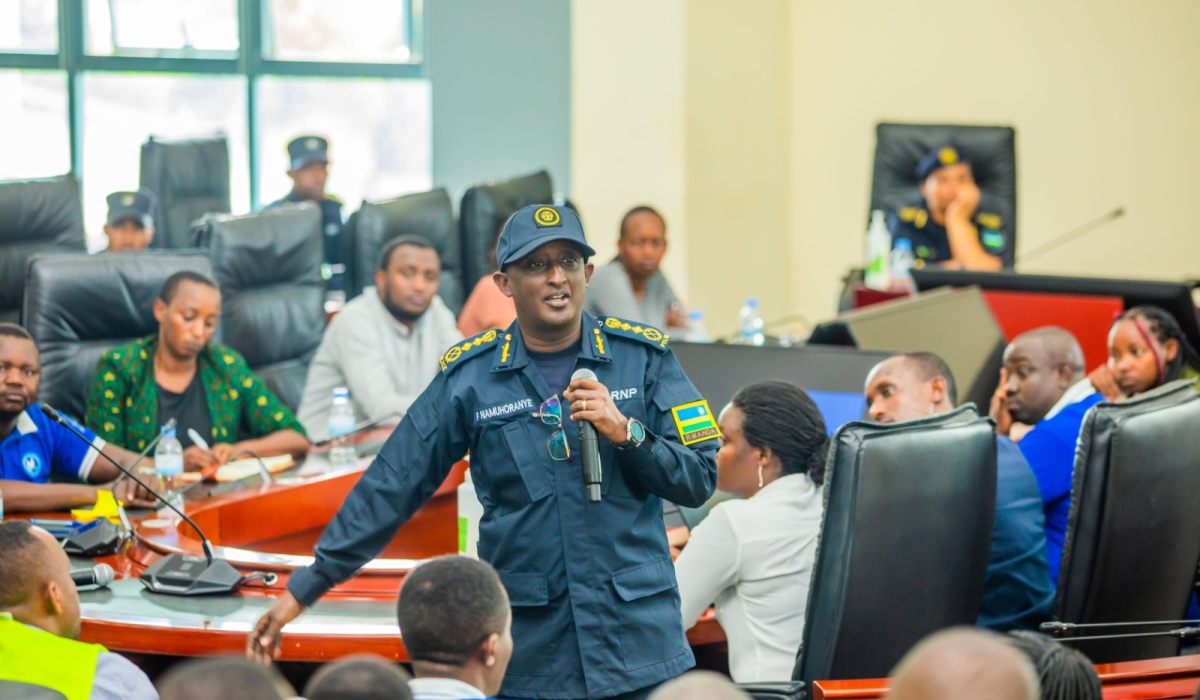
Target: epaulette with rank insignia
{"x": 914, "y": 215}
{"x": 636, "y": 331}
{"x": 468, "y": 348}
{"x": 988, "y": 220}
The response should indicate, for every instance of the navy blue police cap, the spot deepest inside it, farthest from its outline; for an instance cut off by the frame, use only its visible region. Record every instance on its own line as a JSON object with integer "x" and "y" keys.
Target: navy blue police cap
{"x": 536, "y": 225}
{"x": 943, "y": 155}
{"x": 303, "y": 150}
{"x": 138, "y": 206}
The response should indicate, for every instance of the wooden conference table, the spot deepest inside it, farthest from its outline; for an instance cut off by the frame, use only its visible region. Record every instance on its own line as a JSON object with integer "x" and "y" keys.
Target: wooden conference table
{"x": 273, "y": 528}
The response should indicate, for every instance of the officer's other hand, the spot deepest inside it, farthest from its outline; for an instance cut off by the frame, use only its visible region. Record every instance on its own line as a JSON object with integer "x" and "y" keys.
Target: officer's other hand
{"x": 262, "y": 644}
{"x": 601, "y": 411}
{"x": 964, "y": 204}
{"x": 999, "y": 408}
{"x": 196, "y": 459}
{"x": 129, "y": 493}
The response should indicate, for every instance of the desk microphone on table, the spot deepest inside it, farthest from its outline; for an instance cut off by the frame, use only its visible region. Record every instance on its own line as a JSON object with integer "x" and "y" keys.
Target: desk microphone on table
{"x": 360, "y": 428}
{"x": 174, "y": 574}
{"x": 99, "y": 576}
{"x": 589, "y": 447}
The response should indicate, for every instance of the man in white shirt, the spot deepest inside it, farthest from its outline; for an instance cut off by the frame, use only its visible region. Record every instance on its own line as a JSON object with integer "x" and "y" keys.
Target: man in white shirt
{"x": 385, "y": 344}
{"x": 39, "y": 621}
{"x": 446, "y": 606}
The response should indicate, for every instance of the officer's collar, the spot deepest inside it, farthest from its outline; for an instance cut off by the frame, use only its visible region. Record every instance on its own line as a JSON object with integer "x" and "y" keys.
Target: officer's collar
{"x": 511, "y": 353}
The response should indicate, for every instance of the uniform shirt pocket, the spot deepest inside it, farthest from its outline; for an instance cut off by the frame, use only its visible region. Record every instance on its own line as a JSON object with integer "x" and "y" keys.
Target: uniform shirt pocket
{"x": 515, "y": 472}
{"x": 534, "y": 624}
{"x": 648, "y": 608}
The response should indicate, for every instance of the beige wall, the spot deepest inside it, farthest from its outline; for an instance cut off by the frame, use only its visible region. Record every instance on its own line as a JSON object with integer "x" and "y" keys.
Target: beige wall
{"x": 775, "y": 110}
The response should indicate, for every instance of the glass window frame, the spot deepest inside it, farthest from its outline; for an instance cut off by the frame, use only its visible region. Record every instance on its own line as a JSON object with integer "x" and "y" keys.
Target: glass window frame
{"x": 72, "y": 57}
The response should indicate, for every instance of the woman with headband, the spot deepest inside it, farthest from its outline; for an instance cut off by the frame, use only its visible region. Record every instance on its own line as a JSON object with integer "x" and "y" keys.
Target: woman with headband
{"x": 1146, "y": 349}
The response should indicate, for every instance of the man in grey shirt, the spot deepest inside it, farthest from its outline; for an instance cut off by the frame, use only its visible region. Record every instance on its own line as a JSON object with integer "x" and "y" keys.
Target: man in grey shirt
{"x": 39, "y": 621}
{"x": 385, "y": 344}
{"x": 632, "y": 286}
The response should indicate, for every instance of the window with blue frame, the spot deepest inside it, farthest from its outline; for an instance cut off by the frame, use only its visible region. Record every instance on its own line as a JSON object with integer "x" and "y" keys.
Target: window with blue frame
{"x": 86, "y": 82}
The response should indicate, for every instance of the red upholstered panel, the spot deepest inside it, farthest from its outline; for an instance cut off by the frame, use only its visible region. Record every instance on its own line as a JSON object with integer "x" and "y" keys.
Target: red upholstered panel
{"x": 1088, "y": 317}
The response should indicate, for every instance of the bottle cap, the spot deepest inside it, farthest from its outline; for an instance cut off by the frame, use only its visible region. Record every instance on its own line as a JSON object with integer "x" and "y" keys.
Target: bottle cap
{"x": 341, "y": 391}
{"x": 695, "y": 315}
{"x": 903, "y": 244}
{"x": 167, "y": 432}
{"x": 752, "y": 303}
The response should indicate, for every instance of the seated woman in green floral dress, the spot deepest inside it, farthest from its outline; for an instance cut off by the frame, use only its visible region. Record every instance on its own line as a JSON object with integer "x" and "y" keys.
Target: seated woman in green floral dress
{"x": 178, "y": 373}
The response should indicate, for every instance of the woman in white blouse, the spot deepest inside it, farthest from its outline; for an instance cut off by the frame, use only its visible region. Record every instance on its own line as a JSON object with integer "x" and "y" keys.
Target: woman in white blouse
{"x": 753, "y": 557}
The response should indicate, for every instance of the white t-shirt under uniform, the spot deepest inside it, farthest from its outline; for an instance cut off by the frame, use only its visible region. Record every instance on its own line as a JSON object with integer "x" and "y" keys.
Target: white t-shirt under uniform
{"x": 753, "y": 559}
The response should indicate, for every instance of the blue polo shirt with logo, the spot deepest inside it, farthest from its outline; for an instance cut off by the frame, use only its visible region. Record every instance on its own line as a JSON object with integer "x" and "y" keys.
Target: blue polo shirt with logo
{"x": 38, "y": 447}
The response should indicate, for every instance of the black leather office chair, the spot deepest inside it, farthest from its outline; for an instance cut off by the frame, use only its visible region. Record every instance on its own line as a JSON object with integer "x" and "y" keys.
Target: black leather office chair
{"x": 191, "y": 179}
{"x": 482, "y": 211}
{"x": 425, "y": 214}
{"x": 36, "y": 217}
{"x": 78, "y": 306}
{"x": 903, "y": 550}
{"x": 1133, "y": 534}
{"x": 268, "y": 265}
{"x": 992, "y": 150}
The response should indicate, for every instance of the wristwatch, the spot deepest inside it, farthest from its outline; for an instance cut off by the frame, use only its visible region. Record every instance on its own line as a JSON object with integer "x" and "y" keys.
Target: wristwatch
{"x": 635, "y": 435}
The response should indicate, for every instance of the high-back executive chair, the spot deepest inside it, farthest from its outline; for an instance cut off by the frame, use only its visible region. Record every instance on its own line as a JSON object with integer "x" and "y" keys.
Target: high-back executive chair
{"x": 903, "y": 550}
{"x": 992, "y": 150}
{"x": 1133, "y": 533}
{"x": 78, "y": 306}
{"x": 36, "y": 217}
{"x": 425, "y": 214}
{"x": 190, "y": 178}
{"x": 268, "y": 265}
{"x": 484, "y": 208}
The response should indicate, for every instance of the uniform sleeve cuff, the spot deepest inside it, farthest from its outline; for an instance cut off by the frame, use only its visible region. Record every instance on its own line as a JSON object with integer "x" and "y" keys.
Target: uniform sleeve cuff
{"x": 308, "y": 585}
{"x": 89, "y": 460}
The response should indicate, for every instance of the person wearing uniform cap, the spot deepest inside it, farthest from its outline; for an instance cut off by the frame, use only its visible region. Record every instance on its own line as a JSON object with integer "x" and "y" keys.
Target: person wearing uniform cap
{"x": 945, "y": 225}
{"x": 309, "y": 169}
{"x": 595, "y": 605}
{"x": 130, "y": 223}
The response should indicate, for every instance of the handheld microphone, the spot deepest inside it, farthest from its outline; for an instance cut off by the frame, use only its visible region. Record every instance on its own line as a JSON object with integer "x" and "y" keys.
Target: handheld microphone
{"x": 589, "y": 447}
{"x": 99, "y": 576}
{"x": 174, "y": 574}
{"x": 360, "y": 428}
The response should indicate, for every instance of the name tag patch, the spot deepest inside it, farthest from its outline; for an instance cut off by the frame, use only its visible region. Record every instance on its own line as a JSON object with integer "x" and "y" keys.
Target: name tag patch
{"x": 624, "y": 394}
{"x": 695, "y": 422}
{"x": 503, "y": 410}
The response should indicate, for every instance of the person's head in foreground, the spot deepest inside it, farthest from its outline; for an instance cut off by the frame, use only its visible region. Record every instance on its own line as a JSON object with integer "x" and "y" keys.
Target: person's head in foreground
{"x": 542, "y": 256}
{"x": 20, "y": 373}
{"x": 359, "y": 677}
{"x": 456, "y": 623}
{"x": 1146, "y": 349}
{"x": 699, "y": 685}
{"x": 407, "y": 278}
{"x": 770, "y": 429}
{"x": 963, "y": 663}
{"x": 130, "y": 223}
{"x": 945, "y": 174}
{"x": 1064, "y": 673}
{"x": 224, "y": 678}
{"x": 35, "y": 580}
{"x": 187, "y": 310}
{"x": 643, "y": 242}
{"x": 1039, "y": 367}
{"x": 910, "y": 386}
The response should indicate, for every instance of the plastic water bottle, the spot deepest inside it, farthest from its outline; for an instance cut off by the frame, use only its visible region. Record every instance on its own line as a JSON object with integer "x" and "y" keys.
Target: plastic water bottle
{"x": 879, "y": 246}
{"x": 750, "y": 324}
{"x": 696, "y": 332}
{"x": 902, "y": 259}
{"x": 470, "y": 512}
{"x": 168, "y": 466}
{"x": 341, "y": 423}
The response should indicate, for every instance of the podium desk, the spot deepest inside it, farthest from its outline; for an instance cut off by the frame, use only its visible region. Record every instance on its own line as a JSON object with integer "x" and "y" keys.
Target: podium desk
{"x": 273, "y": 528}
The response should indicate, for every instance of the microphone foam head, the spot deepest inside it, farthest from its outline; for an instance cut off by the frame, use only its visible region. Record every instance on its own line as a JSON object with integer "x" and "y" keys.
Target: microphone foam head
{"x": 104, "y": 574}
{"x": 584, "y": 373}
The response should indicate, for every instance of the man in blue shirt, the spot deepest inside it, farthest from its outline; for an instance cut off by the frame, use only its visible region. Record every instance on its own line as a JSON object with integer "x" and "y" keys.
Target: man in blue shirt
{"x": 595, "y": 604}
{"x": 1042, "y": 384}
{"x": 33, "y": 447}
{"x": 1017, "y": 593}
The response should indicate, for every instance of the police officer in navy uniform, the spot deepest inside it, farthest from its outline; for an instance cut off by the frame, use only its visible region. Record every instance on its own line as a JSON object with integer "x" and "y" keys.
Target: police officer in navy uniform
{"x": 945, "y": 225}
{"x": 129, "y": 227}
{"x": 309, "y": 157}
{"x": 592, "y": 586}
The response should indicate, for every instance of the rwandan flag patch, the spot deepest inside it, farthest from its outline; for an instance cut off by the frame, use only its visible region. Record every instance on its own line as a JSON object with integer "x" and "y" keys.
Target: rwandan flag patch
{"x": 695, "y": 422}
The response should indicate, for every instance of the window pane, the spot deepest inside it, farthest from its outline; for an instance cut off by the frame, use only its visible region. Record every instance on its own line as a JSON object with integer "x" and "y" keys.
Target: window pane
{"x": 122, "y": 110}
{"x": 29, "y": 25}
{"x": 364, "y": 31}
{"x": 378, "y": 130}
{"x": 34, "y": 112}
{"x": 161, "y": 27}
